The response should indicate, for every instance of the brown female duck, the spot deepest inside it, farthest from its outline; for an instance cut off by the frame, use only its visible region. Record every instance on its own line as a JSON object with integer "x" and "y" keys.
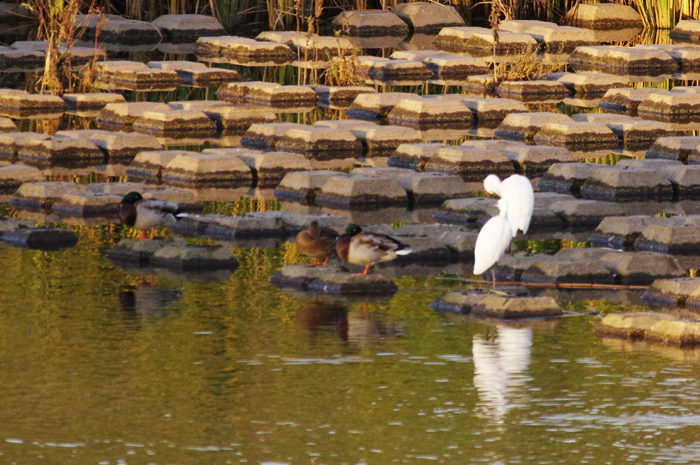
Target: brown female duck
{"x": 317, "y": 242}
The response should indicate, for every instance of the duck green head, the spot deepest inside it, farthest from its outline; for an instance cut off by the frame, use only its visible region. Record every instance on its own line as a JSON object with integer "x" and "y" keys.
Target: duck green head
{"x": 353, "y": 230}
{"x": 131, "y": 198}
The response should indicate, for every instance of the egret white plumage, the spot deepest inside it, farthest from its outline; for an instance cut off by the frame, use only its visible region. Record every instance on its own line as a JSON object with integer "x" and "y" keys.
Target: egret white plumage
{"x": 517, "y": 191}
{"x": 493, "y": 240}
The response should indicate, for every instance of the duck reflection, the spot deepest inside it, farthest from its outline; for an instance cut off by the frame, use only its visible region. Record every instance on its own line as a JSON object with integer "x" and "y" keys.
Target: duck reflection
{"x": 146, "y": 299}
{"x": 358, "y": 329}
{"x": 501, "y": 362}
{"x": 367, "y": 329}
{"x": 321, "y": 317}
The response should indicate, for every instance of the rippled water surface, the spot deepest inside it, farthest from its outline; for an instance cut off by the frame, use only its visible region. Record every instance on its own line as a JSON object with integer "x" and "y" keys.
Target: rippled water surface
{"x": 100, "y": 366}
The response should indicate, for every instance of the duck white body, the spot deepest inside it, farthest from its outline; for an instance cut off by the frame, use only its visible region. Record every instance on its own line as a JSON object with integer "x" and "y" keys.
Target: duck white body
{"x": 366, "y": 249}
{"x": 517, "y": 192}
{"x": 154, "y": 213}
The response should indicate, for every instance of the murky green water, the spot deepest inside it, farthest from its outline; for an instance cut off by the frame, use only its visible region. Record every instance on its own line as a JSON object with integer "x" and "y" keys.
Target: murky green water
{"x": 99, "y": 367}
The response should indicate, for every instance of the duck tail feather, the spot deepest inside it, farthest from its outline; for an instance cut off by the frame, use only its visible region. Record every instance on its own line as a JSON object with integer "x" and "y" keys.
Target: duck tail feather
{"x": 403, "y": 252}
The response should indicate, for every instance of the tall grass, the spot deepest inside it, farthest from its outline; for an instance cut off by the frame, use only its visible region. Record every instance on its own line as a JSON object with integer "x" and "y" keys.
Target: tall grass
{"x": 59, "y": 27}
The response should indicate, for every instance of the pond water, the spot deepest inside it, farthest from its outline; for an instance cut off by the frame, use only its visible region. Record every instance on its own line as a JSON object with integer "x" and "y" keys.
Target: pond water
{"x": 103, "y": 366}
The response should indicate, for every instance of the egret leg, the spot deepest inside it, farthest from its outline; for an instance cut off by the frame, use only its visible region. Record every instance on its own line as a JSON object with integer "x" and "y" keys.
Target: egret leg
{"x": 493, "y": 278}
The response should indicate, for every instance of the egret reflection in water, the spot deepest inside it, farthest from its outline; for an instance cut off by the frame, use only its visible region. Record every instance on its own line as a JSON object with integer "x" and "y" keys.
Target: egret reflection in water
{"x": 500, "y": 369}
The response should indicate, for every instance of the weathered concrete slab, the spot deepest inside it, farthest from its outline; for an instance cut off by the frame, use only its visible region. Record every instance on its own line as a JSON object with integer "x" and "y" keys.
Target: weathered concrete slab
{"x": 145, "y": 79}
{"x": 626, "y": 100}
{"x": 425, "y": 189}
{"x": 13, "y": 176}
{"x": 382, "y": 140}
{"x": 175, "y": 123}
{"x": 581, "y": 213}
{"x": 123, "y": 115}
{"x": 117, "y": 146}
{"x": 489, "y": 112}
{"x": 641, "y": 268}
{"x": 470, "y": 162}
{"x": 149, "y": 164}
{"x": 253, "y": 51}
{"x": 264, "y": 136}
{"x": 413, "y": 156}
{"x": 684, "y": 179}
{"x": 454, "y": 39}
{"x": 59, "y": 151}
{"x": 370, "y": 23}
{"x": 91, "y": 101}
{"x": 604, "y": 16}
{"x": 206, "y": 170}
{"x": 427, "y": 113}
{"x": 207, "y": 77}
{"x": 577, "y": 136}
{"x": 561, "y": 39}
{"x": 22, "y": 105}
{"x": 524, "y": 126}
{"x": 620, "y": 232}
{"x": 640, "y": 134}
{"x": 376, "y": 106}
{"x": 630, "y": 325}
{"x": 686, "y": 29}
{"x": 673, "y": 148}
{"x": 626, "y": 184}
{"x": 483, "y": 45}
{"x": 332, "y": 280}
{"x": 535, "y": 160}
{"x": 516, "y": 307}
{"x": 188, "y": 28}
{"x": 246, "y": 226}
{"x": 318, "y": 143}
{"x": 427, "y": 17}
{"x": 303, "y": 186}
{"x": 455, "y": 67}
{"x": 194, "y": 258}
{"x": 457, "y": 302}
{"x": 673, "y": 238}
{"x": 533, "y": 91}
{"x": 567, "y": 178}
{"x": 362, "y": 192}
{"x": 680, "y": 108}
{"x": 672, "y": 291}
{"x": 41, "y": 238}
{"x": 270, "y": 167}
{"x": 567, "y": 272}
{"x": 235, "y": 119}
{"x": 88, "y": 204}
{"x": 384, "y": 69}
{"x": 341, "y": 95}
{"x": 139, "y": 253}
{"x": 8, "y": 224}
{"x": 590, "y": 84}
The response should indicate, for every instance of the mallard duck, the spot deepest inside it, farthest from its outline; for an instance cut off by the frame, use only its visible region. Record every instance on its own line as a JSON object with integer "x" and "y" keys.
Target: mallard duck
{"x": 318, "y": 243}
{"x": 366, "y": 249}
{"x": 144, "y": 214}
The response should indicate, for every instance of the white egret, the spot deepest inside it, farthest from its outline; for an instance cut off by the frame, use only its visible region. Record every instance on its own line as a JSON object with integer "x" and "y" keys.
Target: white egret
{"x": 517, "y": 191}
{"x": 493, "y": 240}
